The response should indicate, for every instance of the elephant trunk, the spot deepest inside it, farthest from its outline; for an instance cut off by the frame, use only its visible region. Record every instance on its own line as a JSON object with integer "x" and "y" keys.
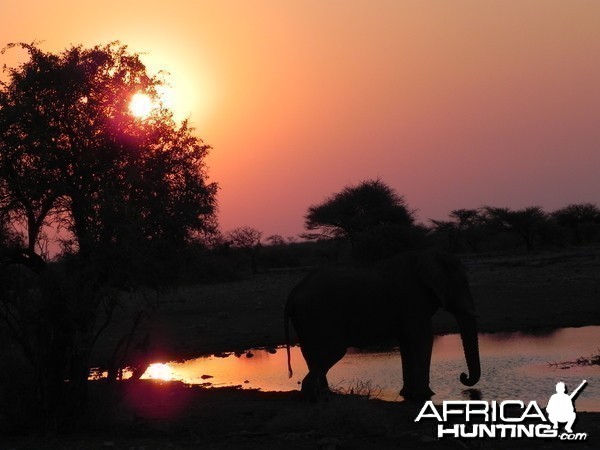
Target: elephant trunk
{"x": 468, "y": 333}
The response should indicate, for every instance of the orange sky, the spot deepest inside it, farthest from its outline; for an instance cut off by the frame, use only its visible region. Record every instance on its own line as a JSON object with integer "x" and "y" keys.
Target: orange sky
{"x": 453, "y": 103}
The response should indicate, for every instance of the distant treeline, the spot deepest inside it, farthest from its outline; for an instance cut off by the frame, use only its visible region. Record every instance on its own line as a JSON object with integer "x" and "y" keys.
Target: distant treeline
{"x": 491, "y": 228}
{"x": 485, "y": 229}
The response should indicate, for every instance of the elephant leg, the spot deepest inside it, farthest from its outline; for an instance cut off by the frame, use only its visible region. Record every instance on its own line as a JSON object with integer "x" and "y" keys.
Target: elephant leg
{"x": 319, "y": 360}
{"x": 415, "y": 349}
{"x": 424, "y": 346}
{"x": 314, "y": 385}
{"x": 407, "y": 369}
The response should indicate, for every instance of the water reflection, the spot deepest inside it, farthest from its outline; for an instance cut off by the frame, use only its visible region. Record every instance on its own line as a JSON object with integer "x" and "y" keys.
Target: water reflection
{"x": 160, "y": 371}
{"x": 514, "y": 366}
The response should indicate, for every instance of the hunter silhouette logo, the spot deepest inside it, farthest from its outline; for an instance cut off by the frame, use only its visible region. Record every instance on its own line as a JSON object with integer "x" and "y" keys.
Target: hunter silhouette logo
{"x": 560, "y": 406}
{"x": 506, "y": 419}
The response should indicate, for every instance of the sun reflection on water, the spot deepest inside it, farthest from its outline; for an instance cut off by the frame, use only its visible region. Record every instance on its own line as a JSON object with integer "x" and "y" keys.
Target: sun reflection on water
{"x": 159, "y": 371}
{"x": 513, "y": 366}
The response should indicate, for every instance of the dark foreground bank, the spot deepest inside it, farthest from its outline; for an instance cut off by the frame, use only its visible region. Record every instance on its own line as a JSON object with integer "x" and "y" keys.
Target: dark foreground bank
{"x": 146, "y": 415}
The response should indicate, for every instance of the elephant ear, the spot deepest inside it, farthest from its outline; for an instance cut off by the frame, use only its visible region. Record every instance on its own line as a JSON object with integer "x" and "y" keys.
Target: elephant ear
{"x": 432, "y": 273}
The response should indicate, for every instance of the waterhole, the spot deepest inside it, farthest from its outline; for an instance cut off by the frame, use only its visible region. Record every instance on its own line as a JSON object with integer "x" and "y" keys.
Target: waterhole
{"x": 515, "y": 366}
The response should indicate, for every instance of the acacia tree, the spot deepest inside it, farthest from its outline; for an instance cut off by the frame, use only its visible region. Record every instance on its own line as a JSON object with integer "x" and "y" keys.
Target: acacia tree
{"x": 127, "y": 190}
{"x": 524, "y": 223}
{"x": 357, "y": 209}
{"x": 371, "y": 215}
{"x": 248, "y": 240}
{"x": 577, "y": 217}
{"x": 466, "y": 224}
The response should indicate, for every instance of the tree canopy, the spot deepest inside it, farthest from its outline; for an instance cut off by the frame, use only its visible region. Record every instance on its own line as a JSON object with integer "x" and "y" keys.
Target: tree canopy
{"x": 125, "y": 192}
{"x": 73, "y": 156}
{"x": 467, "y": 224}
{"x": 577, "y": 217}
{"x": 248, "y": 240}
{"x": 358, "y": 209}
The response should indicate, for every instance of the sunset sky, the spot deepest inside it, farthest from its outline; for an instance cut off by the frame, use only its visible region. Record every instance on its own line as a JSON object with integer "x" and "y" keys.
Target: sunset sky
{"x": 455, "y": 104}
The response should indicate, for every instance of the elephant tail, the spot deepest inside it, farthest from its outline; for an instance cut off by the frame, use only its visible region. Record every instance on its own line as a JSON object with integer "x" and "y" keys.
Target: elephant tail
{"x": 287, "y": 339}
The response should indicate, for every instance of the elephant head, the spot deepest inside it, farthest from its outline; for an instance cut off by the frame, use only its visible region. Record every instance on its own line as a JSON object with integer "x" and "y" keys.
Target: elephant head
{"x": 446, "y": 278}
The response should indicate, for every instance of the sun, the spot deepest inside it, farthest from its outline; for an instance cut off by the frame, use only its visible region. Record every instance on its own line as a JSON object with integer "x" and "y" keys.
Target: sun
{"x": 159, "y": 371}
{"x": 141, "y": 105}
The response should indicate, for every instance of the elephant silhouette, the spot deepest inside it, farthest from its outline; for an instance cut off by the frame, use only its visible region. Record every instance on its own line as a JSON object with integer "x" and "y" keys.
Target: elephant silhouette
{"x": 337, "y": 307}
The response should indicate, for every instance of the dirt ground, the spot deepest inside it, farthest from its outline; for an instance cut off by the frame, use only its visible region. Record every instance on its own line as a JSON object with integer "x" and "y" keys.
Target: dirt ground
{"x": 528, "y": 292}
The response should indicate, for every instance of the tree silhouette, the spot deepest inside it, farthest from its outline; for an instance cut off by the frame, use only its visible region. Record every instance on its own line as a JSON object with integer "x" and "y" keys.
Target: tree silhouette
{"x": 371, "y": 215}
{"x": 128, "y": 192}
{"x": 524, "y": 223}
{"x": 248, "y": 240}
{"x": 577, "y": 217}
{"x": 357, "y": 209}
{"x": 71, "y": 153}
{"x": 465, "y": 224}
